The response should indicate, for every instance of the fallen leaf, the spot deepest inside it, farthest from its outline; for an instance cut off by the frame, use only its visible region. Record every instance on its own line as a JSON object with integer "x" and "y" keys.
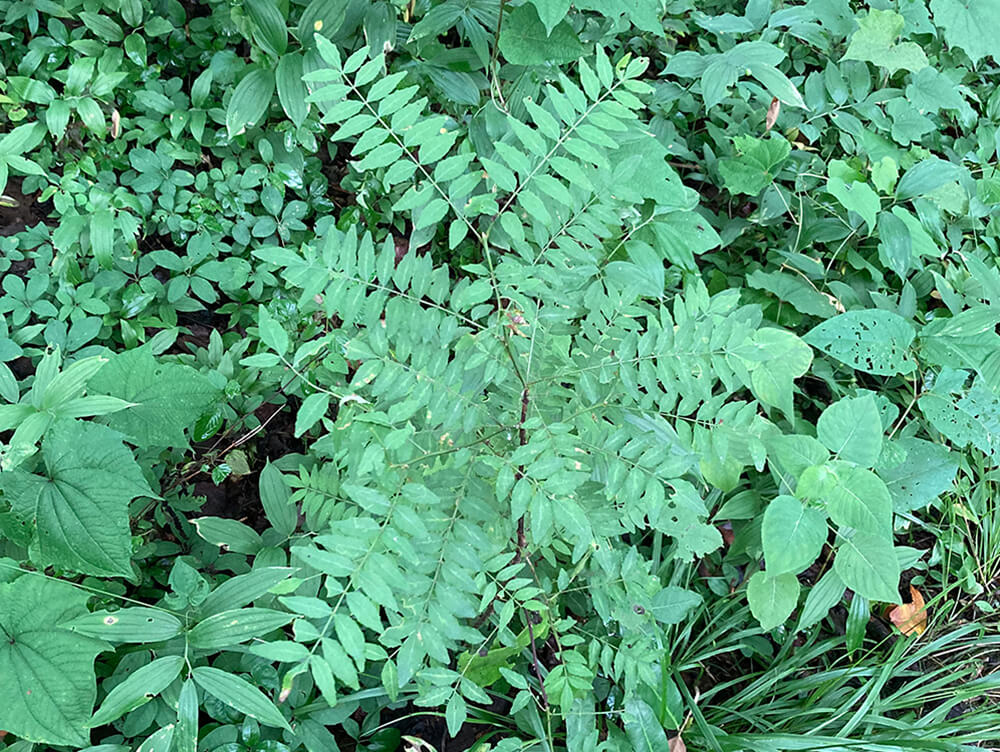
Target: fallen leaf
{"x": 910, "y": 617}
{"x": 772, "y": 114}
{"x": 676, "y": 744}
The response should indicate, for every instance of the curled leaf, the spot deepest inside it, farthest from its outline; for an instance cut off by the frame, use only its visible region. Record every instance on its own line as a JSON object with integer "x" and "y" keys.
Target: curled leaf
{"x": 772, "y": 114}
{"x": 910, "y": 617}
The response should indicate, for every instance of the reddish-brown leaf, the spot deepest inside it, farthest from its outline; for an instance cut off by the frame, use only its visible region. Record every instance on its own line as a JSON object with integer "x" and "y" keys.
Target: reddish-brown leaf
{"x": 772, "y": 114}
{"x": 910, "y": 617}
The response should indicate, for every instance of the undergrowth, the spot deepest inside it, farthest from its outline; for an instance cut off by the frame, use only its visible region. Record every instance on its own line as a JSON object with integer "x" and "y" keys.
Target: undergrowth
{"x": 499, "y": 375}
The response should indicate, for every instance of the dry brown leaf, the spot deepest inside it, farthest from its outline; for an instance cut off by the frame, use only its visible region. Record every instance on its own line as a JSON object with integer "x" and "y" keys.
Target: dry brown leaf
{"x": 910, "y": 617}
{"x": 676, "y": 744}
{"x": 772, "y": 114}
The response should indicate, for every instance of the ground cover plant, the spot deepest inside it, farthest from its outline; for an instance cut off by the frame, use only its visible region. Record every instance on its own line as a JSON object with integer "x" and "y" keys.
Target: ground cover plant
{"x": 499, "y": 375}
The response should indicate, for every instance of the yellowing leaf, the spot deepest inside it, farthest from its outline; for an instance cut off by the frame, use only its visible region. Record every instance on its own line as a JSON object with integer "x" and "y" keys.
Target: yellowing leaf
{"x": 910, "y": 617}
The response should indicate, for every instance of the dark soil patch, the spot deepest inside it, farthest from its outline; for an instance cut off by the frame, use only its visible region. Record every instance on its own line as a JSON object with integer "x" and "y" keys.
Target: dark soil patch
{"x": 26, "y": 212}
{"x": 239, "y": 498}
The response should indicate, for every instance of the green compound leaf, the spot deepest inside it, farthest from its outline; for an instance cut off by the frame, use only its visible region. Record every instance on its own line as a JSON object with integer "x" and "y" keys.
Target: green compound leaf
{"x": 756, "y": 165}
{"x": 524, "y": 41}
{"x": 167, "y": 397}
{"x": 868, "y": 565}
{"x": 240, "y": 695}
{"x": 875, "y": 42}
{"x": 873, "y": 341}
{"x": 852, "y": 429}
{"x": 79, "y": 506}
{"x": 792, "y": 535}
{"x": 48, "y": 687}
{"x": 772, "y": 598}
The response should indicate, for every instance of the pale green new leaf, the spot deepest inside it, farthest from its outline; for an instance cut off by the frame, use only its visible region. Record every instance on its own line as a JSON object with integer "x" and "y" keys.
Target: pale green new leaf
{"x": 772, "y": 598}
{"x": 875, "y": 42}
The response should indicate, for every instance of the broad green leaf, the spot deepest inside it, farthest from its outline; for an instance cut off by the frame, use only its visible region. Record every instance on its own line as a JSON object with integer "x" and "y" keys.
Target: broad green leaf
{"x": 139, "y": 688}
{"x": 969, "y": 25}
{"x": 772, "y": 598}
{"x": 270, "y": 31}
{"x": 272, "y": 333}
{"x": 102, "y": 236}
{"x": 777, "y": 84}
{"x": 782, "y": 357}
{"x": 927, "y": 176}
{"x": 525, "y": 41}
{"x": 312, "y": 409}
{"x": 867, "y": 564}
{"x": 823, "y": 596}
{"x": 79, "y": 505}
{"x": 240, "y": 695}
{"x": 229, "y": 628}
{"x": 857, "y": 498}
{"x": 292, "y": 91}
{"x": 551, "y": 12}
{"x": 895, "y": 244}
{"x": 249, "y": 101}
{"x": 927, "y": 471}
{"x": 159, "y": 741}
{"x": 875, "y": 42}
{"x": 186, "y": 730}
{"x": 48, "y": 687}
{"x": 873, "y": 341}
{"x": 455, "y": 713}
{"x": 168, "y": 397}
{"x": 757, "y": 163}
{"x": 644, "y": 731}
{"x": 792, "y": 535}
{"x": 275, "y": 497}
{"x": 229, "y": 534}
{"x": 857, "y": 197}
{"x": 673, "y": 604}
{"x": 242, "y": 589}
{"x": 852, "y": 429}
{"x": 137, "y": 624}
{"x": 973, "y": 417}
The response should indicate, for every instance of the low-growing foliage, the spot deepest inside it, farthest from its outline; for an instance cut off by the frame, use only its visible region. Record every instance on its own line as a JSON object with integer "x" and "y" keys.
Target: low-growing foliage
{"x": 590, "y": 378}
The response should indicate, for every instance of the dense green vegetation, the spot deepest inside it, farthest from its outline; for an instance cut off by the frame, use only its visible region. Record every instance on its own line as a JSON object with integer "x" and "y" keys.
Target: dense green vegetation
{"x": 500, "y": 375}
